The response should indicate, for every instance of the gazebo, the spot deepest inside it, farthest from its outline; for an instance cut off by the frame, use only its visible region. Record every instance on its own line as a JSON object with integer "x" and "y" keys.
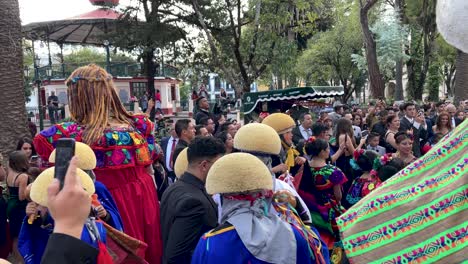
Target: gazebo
{"x": 92, "y": 28}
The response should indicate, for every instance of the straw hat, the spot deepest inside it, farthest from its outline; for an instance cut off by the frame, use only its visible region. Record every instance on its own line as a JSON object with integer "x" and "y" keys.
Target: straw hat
{"x": 280, "y": 122}
{"x": 39, "y": 186}
{"x": 86, "y": 156}
{"x": 181, "y": 163}
{"x": 257, "y": 138}
{"x": 238, "y": 173}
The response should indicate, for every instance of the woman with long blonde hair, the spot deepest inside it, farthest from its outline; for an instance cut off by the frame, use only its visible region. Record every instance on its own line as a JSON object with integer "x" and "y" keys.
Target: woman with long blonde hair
{"x": 124, "y": 148}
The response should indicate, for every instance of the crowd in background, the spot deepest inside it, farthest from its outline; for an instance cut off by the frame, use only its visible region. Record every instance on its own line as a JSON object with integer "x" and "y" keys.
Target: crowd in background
{"x": 278, "y": 182}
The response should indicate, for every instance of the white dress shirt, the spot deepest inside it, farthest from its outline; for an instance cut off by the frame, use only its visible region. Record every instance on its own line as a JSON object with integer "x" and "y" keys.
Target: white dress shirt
{"x": 169, "y": 150}
{"x": 306, "y": 133}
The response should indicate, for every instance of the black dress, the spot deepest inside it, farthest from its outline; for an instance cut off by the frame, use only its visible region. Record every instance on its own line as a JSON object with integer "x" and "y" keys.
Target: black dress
{"x": 16, "y": 209}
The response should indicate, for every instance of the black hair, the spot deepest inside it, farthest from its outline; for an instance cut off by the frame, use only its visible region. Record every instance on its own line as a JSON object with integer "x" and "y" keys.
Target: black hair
{"x": 318, "y": 128}
{"x": 438, "y": 104}
{"x": 197, "y": 129}
{"x": 157, "y": 91}
{"x": 336, "y": 108}
{"x": 391, "y": 168}
{"x": 222, "y": 136}
{"x": 181, "y": 125}
{"x": 383, "y": 113}
{"x": 373, "y": 135}
{"x": 21, "y": 142}
{"x": 204, "y": 148}
{"x": 408, "y": 104}
{"x": 397, "y": 163}
{"x": 18, "y": 161}
{"x": 400, "y": 136}
{"x": 314, "y": 148}
{"x": 302, "y": 116}
{"x": 225, "y": 126}
{"x": 386, "y": 172}
{"x": 204, "y": 120}
{"x": 366, "y": 160}
{"x": 197, "y": 102}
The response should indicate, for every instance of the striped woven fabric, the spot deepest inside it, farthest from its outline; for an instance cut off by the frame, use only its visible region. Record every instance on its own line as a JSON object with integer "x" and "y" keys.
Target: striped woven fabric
{"x": 418, "y": 216}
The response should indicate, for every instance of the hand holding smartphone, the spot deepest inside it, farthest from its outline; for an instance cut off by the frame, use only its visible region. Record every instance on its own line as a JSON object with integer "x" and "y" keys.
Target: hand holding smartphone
{"x": 364, "y": 133}
{"x": 65, "y": 152}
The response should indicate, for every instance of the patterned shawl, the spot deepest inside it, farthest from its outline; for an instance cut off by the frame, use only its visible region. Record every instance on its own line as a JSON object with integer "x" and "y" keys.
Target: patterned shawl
{"x": 417, "y": 216}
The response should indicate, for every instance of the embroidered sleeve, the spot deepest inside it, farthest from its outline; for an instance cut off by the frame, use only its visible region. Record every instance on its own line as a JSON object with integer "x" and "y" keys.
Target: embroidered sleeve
{"x": 337, "y": 177}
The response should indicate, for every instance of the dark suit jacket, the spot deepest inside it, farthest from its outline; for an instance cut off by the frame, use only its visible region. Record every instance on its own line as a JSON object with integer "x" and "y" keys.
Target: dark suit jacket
{"x": 418, "y": 135}
{"x": 297, "y": 136}
{"x": 164, "y": 143}
{"x": 187, "y": 212}
{"x": 179, "y": 147}
{"x": 62, "y": 248}
{"x": 201, "y": 114}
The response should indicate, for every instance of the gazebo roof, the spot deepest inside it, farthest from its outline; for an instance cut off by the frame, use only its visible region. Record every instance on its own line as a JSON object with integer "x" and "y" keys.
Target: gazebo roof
{"x": 88, "y": 28}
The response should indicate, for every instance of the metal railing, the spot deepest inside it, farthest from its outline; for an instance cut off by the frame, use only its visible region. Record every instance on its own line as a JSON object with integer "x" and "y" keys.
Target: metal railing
{"x": 117, "y": 69}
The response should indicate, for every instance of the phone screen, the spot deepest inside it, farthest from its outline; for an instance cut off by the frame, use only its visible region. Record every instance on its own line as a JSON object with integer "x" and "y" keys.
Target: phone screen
{"x": 64, "y": 153}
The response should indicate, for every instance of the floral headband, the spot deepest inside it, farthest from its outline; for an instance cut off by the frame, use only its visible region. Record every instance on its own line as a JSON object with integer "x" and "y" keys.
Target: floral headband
{"x": 357, "y": 154}
{"x": 312, "y": 139}
{"x": 382, "y": 161}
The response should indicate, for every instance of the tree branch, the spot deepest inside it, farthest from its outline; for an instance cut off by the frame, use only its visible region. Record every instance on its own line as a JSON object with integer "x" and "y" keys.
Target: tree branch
{"x": 255, "y": 35}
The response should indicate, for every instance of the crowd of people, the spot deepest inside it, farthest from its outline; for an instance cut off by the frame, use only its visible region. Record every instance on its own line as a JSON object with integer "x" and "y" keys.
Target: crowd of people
{"x": 214, "y": 191}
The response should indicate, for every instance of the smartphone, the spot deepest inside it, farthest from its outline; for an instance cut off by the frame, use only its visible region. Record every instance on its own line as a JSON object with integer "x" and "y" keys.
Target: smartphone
{"x": 364, "y": 133}
{"x": 34, "y": 158}
{"x": 65, "y": 151}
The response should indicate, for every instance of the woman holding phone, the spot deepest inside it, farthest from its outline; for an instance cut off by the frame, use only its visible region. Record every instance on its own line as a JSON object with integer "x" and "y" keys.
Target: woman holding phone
{"x": 26, "y": 145}
{"x": 124, "y": 147}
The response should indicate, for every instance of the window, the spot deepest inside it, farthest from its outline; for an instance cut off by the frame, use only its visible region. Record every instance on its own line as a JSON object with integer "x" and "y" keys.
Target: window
{"x": 138, "y": 89}
{"x": 173, "y": 93}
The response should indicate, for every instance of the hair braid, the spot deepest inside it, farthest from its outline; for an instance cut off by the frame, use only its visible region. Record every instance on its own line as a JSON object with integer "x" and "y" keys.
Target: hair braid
{"x": 93, "y": 100}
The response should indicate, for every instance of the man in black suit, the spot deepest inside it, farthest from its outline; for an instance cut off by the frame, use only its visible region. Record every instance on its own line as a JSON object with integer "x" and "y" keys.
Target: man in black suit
{"x": 69, "y": 208}
{"x": 452, "y": 110}
{"x": 440, "y": 107}
{"x": 303, "y": 132}
{"x": 168, "y": 145}
{"x": 203, "y": 107}
{"x": 187, "y": 211}
{"x": 185, "y": 131}
{"x": 415, "y": 123}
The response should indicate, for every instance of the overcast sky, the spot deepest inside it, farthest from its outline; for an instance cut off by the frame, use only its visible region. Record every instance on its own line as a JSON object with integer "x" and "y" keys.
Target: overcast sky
{"x": 46, "y": 10}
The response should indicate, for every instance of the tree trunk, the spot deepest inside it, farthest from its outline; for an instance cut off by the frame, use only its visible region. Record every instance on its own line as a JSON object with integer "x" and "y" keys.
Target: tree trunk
{"x": 398, "y": 96}
{"x": 150, "y": 73}
{"x": 461, "y": 78}
{"x": 375, "y": 77}
{"x": 12, "y": 100}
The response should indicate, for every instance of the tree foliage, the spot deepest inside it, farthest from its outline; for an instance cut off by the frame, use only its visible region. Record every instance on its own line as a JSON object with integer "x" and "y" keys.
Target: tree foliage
{"x": 390, "y": 37}
{"x": 328, "y": 59}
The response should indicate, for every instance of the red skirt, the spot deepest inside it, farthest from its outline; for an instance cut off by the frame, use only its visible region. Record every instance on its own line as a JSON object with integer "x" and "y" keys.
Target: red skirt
{"x": 134, "y": 192}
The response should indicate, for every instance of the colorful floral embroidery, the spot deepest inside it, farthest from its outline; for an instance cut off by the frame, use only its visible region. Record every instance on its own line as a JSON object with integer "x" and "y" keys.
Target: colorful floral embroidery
{"x": 119, "y": 148}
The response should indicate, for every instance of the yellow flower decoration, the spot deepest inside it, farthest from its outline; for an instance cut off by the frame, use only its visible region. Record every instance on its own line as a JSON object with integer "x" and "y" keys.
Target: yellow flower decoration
{"x": 371, "y": 186}
{"x": 137, "y": 138}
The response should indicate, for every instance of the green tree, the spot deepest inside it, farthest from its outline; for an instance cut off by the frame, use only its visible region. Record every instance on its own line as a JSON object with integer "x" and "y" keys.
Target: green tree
{"x": 246, "y": 39}
{"x": 420, "y": 15}
{"x": 446, "y": 57}
{"x": 375, "y": 76}
{"x": 328, "y": 59}
{"x": 390, "y": 37}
